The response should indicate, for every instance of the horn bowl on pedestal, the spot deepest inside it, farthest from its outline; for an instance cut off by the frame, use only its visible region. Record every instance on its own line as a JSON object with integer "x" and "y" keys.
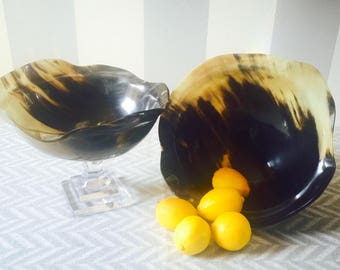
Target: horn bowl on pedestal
{"x": 86, "y": 113}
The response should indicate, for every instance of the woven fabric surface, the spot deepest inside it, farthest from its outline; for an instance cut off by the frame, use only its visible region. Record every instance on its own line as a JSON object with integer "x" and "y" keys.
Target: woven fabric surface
{"x": 39, "y": 231}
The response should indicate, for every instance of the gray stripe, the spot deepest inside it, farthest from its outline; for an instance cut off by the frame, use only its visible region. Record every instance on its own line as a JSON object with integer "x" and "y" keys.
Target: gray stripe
{"x": 306, "y": 30}
{"x": 40, "y": 29}
{"x": 175, "y": 38}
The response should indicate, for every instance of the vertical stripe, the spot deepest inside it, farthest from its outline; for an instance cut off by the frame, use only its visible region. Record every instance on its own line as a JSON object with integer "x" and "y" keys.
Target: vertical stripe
{"x": 175, "y": 38}
{"x": 306, "y": 30}
{"x": 5, "y": 51}
{"x": 243, "y": 26}
{"x": 40, "y": 29}
{"x": 112, "y": 33}
{"x": 334, "y": 77}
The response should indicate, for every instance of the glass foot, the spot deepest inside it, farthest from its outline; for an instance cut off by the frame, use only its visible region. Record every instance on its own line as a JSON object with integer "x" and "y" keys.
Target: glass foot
{"x": 96, "y": 192}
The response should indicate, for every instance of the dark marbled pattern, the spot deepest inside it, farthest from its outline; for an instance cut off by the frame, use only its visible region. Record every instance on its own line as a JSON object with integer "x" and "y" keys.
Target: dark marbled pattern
{"x": 281, "y": 161}
{"x": 74, "y": 112}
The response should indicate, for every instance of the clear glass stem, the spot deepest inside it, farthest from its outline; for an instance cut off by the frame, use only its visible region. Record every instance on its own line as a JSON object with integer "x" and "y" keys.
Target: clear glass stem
{"x": 93, "y": 167}
{"x": 96, "y": 190}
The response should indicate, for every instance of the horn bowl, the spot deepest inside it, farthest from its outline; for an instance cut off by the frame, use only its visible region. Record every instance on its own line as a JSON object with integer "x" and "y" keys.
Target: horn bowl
{"x": 271, "y": 119}
{"x": 86, "y": 113}
{"x": 81, "y": 112}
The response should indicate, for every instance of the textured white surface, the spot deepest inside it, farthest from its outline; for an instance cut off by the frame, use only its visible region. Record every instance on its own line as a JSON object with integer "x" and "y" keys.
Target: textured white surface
{"x": 38, "y": 230}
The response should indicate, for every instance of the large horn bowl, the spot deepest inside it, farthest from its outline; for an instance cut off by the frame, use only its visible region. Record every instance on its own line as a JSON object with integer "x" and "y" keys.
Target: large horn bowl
{"x": 271, "y": 119}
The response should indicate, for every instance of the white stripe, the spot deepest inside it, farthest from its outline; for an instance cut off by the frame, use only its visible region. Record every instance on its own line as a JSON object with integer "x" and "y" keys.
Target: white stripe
{"x": 334, "y": 77}
{"x": 5, "y": 51}
{"x": 111, "y": 32}
{"x": 243, "y": 26}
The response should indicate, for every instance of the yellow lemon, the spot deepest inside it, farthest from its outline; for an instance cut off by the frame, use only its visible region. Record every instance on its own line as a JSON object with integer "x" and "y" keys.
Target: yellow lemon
{"x": 170, "y": 211}
{"x": 192, "y": 235}
{"x": 231, "y": 231}
{"x": 231, "y": 178}
{"x": 218, "y": 201}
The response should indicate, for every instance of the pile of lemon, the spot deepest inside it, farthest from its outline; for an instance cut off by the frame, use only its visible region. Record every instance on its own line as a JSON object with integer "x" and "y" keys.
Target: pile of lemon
{"x": 217, "y": 216}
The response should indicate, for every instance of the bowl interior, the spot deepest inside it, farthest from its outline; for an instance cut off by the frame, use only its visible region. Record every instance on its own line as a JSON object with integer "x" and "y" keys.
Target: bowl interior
{"x": 253, "y": 133}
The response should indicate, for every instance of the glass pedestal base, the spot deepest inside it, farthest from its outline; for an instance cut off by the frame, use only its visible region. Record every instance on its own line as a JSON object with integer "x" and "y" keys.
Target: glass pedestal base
{"x": 96, "y": 191}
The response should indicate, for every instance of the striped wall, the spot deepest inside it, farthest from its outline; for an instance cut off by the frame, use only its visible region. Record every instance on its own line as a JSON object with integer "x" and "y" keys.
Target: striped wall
{"x": 162, "y": 40}
{"x": 5, "y": 51}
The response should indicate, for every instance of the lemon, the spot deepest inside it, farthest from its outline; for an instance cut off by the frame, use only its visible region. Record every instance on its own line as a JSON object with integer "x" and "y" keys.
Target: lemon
{"x": 231, "y": 231}
{"x": 231, "y": 178}
{"x": 218, "y": 201}
{"x": 192, "y": 235}
{"x": 170, "y": 211}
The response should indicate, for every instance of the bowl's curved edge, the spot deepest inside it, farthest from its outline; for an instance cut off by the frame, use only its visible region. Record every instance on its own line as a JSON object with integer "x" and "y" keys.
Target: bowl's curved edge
{"x": 278, "y": 215}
